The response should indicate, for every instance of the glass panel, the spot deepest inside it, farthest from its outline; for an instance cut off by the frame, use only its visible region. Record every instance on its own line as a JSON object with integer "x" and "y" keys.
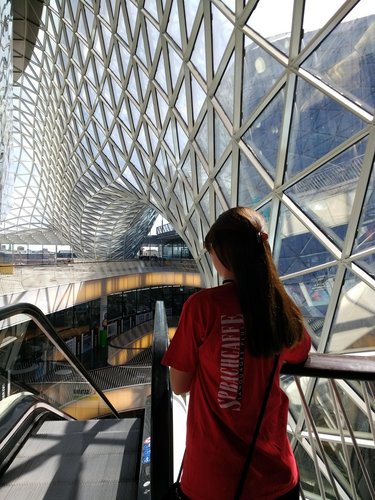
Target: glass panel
{"x": 186, "y": 169}
{"x": 173, "y": 27}
{"x": 365, "y": 238}
{"x": 221, "y": 138}
{"x": 309, "y": 482}
{"x": 319, "y": 124}
{"x": 191, "y": 7}
{"x": 312, "y": 293}
{"x": 263, "y": 135}
{"x": 202, "y": 137}
{"x": 224, "y": 179}
{"x": 327, "y": 194}
{"x": 316, "y": 14}
{"x": 198, "y": 57}
{"x": 222, "y": 29}
{"x": 251, "y": 187}
{"x": 344, "y": 60}
{"x": 175, "y": 63}
{"x": 275, "y": 26}
{"x": 224, "y": 93}
{"x": 201, "y": 175}
{"x": 198, "y": 97}
{"x": 367, "y": 263}
{"x": 260, "y": 72}
{"x": 353, "y": 327}
{"x": 296, "y": 249}
{"x": 181, "y": 104}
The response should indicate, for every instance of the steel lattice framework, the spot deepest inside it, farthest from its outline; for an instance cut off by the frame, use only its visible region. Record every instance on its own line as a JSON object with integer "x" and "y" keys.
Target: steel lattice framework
{"x": 185, "y": 108}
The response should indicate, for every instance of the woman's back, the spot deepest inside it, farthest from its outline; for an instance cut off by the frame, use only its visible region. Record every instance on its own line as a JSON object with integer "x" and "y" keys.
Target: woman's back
{"x": 225, "y": 399}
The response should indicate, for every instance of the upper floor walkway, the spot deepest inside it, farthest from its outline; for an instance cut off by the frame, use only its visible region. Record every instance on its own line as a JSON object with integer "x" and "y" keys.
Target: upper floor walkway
{"x": 56, "y": 287}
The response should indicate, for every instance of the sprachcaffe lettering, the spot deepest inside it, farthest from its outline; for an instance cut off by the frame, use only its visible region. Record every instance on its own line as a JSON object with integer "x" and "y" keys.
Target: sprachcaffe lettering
{"x": 231, "y": 362}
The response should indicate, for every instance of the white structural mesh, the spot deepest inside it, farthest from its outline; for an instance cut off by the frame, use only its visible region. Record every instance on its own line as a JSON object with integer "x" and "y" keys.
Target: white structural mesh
{"x": 185, "y": 108}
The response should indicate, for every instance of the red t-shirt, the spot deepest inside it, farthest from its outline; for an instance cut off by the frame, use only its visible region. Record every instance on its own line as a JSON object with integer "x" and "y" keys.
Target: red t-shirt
{"x": 225, "y": 399}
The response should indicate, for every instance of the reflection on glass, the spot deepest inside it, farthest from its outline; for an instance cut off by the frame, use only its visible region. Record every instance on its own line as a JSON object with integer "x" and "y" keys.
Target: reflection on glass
{"x": 365, "y": 238}
{"x": 263, "y": 135}
{"x": 312, "y": 293}
{"x": 224, "y": 93}
{"x": 345, "y": 60}
{"x": 327, "y": 194}
{"x": 296, "y": 248}
{"x": 353, "y": 328}
{"x": 251, "y": 186}
{"x": 222, "y": 29}
{"x": 260, "y": 72}
{"x": 319, "y": 124}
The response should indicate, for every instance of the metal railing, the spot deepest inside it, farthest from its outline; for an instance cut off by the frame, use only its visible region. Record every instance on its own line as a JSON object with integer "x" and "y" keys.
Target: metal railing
{"x": 331, "y": 424}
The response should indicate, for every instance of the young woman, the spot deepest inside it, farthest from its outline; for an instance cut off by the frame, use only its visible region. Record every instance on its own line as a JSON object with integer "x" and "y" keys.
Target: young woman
{"x": 223, "y": 352}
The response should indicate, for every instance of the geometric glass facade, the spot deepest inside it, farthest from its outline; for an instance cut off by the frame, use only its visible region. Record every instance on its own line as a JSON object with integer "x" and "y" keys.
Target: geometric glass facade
{"x": 186, "y": 108}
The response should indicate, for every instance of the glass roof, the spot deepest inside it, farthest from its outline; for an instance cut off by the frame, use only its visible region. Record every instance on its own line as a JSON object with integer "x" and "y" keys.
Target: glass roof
{"x": 131, "y": 109}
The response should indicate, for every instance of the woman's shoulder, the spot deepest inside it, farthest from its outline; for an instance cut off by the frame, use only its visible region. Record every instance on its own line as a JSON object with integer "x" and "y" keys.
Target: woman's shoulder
{"x": 209, "y": 296}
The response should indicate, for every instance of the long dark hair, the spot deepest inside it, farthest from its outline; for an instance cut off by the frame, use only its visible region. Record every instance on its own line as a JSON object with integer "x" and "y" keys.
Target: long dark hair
{"x": 273, "y": 321}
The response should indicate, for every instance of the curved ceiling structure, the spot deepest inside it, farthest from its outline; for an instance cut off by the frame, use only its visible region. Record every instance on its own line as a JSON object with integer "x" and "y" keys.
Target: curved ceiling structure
{"x": 185, "y": 108}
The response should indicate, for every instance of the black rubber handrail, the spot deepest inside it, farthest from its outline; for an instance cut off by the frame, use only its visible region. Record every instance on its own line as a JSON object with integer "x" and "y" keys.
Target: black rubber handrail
{"x": 49, "y": 331}
{"x": 340, "y": 366}
{"x": 161, "y": 410}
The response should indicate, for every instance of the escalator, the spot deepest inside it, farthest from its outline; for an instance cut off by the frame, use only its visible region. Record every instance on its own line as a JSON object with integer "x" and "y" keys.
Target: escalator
{"x": 61, "y": 435}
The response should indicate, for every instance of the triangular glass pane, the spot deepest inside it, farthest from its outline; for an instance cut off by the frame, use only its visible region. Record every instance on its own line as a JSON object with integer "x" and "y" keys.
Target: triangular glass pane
{"x": 365, "y": 238}
{"x": 150, "y": 110}
{"x": 222, "y": 137}
{"x": 251, "y": 186}
{"x": 353, "y": 326}
{"x": 191, "y": 7}
{"x": 186, "y": 170}
{"x": 202, "y": 137}
{"x": 296, "y": 248}
{"x": 367, "y": 263}
{"x": 343, "y": 59}
{"x": 222, "y": 30}
{"x": 263, "y": 135}
{"x": 151, "y": 7}
{"x": 153, "y": 37}
{"x": 312, "y": 293}
{"x": 163, "y": 108}
{"x": 181, "y": 137}
{"x": 181, "y": 102}
{"x": 160, "y": 76}
{"x": 327, "y": 194}
{"x": 224, "y": 93}
{"x": 198, "y": 97}
{"x": 224, "y": 179}
{"x": 175, "y": 63}
{"x": 205, "y": 204}
{"x": 132, "y": 14}
{"x": 201, "y": 175}
{"x": 128, "y": 175}
{"x": 141, "y": 49}
{"x": 265, "y": 210}
{"x": 319, "y": 124}
{"x": 160, "y": 164}
{"x": 173, "y": 27}
{"x": 278, "y": 30}
{"x": 260, "y": 72}
{"x": 316, "y": 14}
{"x": 198, "y": 57}
{"x": 168, "y": 137}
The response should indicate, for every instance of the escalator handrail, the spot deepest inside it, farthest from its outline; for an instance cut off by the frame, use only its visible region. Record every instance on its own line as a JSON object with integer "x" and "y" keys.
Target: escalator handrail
{"x": 49, "y": 331}
{"x": 161, "y": 409}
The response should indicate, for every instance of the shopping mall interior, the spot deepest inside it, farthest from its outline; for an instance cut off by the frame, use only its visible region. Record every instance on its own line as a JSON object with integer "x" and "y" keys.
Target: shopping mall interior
{"x": 127, "y": 127}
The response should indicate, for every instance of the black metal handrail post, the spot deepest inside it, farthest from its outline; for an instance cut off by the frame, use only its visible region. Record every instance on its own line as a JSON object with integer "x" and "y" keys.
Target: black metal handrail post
{"x": 161, "y": 410}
